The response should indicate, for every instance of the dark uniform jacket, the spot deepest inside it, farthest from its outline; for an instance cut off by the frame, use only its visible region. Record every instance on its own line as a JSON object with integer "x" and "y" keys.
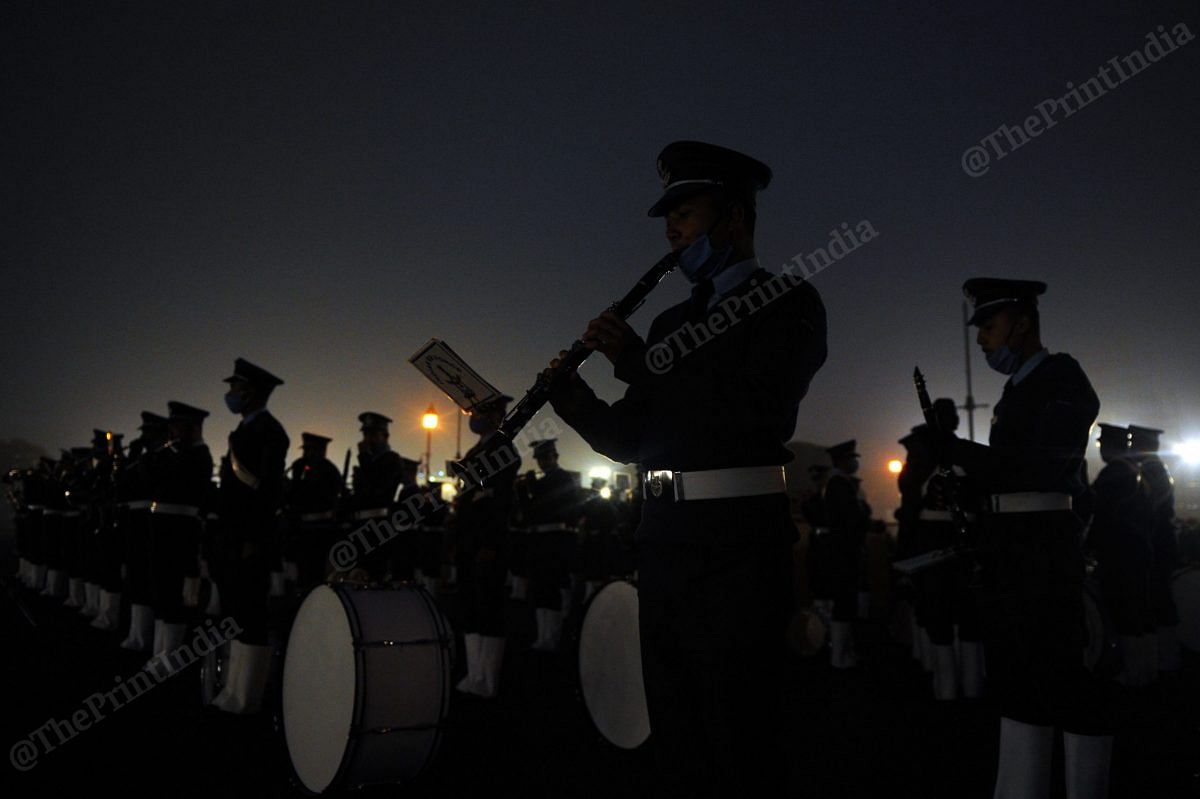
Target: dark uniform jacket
{"x": 1121, "y": 544}
{"x": 252, "y": 476}
{"x": 1039, "y": 433}
{"x": 554, "y": 498}
{"x": 313, "y": 487}
{"x": 182, "y": 474}
{"x": 731, "y": 401}
{"x": 1033, "y": 567}
{"x": 481, "y": 514}
{"x": 376, "y": 479}
{"x": 1159, "y": 493}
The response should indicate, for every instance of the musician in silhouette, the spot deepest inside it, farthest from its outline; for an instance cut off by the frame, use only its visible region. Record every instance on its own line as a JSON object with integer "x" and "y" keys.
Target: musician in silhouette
{"x": 708, "y": 430}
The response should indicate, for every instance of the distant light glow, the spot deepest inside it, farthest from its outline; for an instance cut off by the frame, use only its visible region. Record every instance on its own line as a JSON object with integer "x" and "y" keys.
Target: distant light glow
{"x": 1189, "y": 451}
{"x": 895, "y": 466}
{"x": 602, "y": 472}
{"x": 606, "y": 492}
{"x": 430, "y": 420}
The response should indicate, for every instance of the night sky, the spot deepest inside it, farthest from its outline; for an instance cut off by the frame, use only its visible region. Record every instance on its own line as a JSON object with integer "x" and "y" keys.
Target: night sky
{"x": 321, "y": 188}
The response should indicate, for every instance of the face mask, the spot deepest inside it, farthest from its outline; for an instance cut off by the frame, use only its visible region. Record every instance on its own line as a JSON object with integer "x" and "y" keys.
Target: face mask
{"x": 1003, "y": 360}
{"x": 235, "y": 402}
{"x": 479, "y": 425}
{"x": 699, "y": 261}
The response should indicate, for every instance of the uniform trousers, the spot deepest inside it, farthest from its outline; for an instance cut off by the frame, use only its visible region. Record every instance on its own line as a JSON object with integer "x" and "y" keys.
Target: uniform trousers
{"x": 174, "y": 551}
{"x": 482, "y": 598}
{"x": 1032, "y": 610}
{"x": 714, "y": 601}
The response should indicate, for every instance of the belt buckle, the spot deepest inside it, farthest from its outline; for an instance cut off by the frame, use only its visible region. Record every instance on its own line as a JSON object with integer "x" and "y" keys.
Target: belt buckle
{"x": 660, "y": 484}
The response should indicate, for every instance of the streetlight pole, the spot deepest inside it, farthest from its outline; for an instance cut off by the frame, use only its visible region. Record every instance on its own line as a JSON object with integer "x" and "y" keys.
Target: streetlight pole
{"x": 970, "y": 405}
{"x": 430, "y": 422}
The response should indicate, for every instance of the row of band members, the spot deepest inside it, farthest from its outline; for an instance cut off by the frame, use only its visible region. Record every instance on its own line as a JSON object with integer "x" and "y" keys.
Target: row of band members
{"x": 1131, "y": 543}
{"x": 286, "y": 523}
{"x": 146, "y": 527}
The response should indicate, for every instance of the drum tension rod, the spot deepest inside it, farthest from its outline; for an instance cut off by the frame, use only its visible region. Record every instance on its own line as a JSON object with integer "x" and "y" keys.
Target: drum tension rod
{"x": 358, "y": 644}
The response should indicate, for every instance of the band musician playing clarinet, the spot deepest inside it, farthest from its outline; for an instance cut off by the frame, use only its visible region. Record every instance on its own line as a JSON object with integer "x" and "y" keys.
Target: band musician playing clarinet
{"x": 708, "y": 430}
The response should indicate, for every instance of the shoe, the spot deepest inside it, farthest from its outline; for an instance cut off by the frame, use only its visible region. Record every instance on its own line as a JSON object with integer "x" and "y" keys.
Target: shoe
{"x": 55, "y": 586}
{"x": 971, "y": 669}
{"x": 471, "y": 683}
{"x": 91, "y": 604}
{"x": 841, "y": 655}
{"x": 1023, "y": 771}
{"x": 1086, "y": 761}
{"x": 141, "y": 629}
{"x": 109, "y": 617}
{"x": 249, "y": 671}
{"x": 945, "y": 673}
{"x": 491, "y": 661}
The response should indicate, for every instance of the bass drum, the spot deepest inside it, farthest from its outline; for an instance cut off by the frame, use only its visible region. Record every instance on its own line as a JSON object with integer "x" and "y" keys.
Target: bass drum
{"x": 1185, "y": 588}
{"x": 610, "y": 666}
{"x": 366, "y": 686}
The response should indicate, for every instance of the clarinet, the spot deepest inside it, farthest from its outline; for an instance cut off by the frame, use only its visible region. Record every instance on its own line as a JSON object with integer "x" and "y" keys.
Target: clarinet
{"x": 958, "y": 516}
{"x": 499, "y": 452}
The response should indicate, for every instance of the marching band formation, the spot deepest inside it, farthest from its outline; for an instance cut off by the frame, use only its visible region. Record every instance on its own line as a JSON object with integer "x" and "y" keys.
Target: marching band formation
{"x": 1006, "y": 557}
{"x": 145, "y": 540}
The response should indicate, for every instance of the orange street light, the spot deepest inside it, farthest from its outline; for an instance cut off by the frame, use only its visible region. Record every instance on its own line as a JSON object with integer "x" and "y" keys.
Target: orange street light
{"x": 895, "y": 466}
{"x": 430, "y": 422}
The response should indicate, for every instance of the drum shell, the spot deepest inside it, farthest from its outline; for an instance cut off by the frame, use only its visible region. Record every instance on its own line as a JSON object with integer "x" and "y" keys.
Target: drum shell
{"x": 396, "y": 724}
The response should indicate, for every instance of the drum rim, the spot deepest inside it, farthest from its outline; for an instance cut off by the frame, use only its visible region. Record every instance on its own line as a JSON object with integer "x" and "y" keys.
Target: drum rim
{"x": 441, "y": 625}
{"x": 577, "y": 638}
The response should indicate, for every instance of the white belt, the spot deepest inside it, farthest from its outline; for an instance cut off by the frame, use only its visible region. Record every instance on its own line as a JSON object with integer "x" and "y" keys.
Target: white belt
{"x": 747, "y": 481}
{"x": 822, "y": 531}
{"x": 930, "y": 515}
{"x": 373, "y": 513}
{"x": 138, "y": 504}
{"x": 550, "y": 528}
{"x": 320, "y": 516}
{"x": 36, "y": 507}
{"x": 174, "y": 510}
{"x": 1029, "y": 502}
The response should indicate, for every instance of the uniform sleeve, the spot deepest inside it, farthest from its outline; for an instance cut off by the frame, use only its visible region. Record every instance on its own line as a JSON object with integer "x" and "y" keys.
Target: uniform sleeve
{"x": 785, "y": 349}
{"x": 615, "y": 430}
{"x": 1061, "y": 429}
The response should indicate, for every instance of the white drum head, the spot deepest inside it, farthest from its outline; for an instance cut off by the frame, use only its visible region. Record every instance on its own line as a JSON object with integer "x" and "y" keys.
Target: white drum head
{"x": 1185, "y": 587}
{"x": 610, "y": 666}
{"x": 319, "y": 682}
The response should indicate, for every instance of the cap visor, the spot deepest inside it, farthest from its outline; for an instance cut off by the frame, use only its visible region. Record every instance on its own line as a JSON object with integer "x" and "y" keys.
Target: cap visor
{"x": 675, "y": 196}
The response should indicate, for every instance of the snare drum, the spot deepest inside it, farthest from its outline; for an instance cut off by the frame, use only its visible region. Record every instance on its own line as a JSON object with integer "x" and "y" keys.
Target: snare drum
{"x": 610, "y": 666}
{"x": 1185, "y": 588}
{"x": 366, "y": 686}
